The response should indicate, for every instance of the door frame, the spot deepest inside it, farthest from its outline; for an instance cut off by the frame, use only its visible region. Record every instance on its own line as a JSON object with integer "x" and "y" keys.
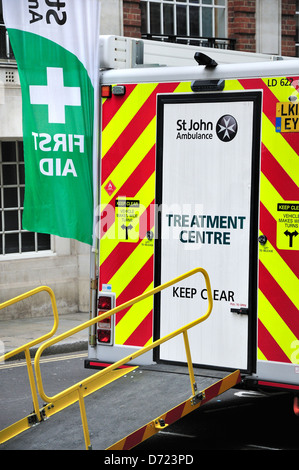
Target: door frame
{"x": 256, "y": 97}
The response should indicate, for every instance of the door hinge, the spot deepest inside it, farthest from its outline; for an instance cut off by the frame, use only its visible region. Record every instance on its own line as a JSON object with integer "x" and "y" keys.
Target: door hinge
{"x": 93, "y": 284}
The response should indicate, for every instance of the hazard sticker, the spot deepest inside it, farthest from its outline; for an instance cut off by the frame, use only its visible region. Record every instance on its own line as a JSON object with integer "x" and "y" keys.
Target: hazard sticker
{"x": 287, "y": 225}
{"x": 110, "y": 188}
{"x": 287, "y": 117}
{"x": 127, "y": 213}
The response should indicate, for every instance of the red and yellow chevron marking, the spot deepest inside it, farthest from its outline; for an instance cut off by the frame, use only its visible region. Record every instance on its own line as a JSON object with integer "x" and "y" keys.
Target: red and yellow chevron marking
{"x": 171, "y": 416}
{"x": 128, "y": 163}
{"x": 278, "y": 297}
{"x": 128, "y": 171}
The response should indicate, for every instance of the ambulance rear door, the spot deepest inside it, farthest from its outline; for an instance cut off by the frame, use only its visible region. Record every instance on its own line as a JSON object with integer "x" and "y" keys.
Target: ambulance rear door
{"x": 207, "y": 196}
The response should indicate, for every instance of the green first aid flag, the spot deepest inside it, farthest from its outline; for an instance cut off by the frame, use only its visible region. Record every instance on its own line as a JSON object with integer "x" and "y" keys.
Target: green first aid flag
{"x": 56, "y": 45}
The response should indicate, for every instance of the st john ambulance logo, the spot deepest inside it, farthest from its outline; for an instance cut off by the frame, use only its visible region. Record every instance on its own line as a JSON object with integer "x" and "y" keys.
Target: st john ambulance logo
{"x": 226, "y": 128}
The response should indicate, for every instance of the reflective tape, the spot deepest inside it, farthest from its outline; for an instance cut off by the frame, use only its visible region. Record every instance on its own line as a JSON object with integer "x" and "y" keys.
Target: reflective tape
{"x": 179, "y": 411}
{"x": 278, "y": 297}
{"x": 128, "y": 163}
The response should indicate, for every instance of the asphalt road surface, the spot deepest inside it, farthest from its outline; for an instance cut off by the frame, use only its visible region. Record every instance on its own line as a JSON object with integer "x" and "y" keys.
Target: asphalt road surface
{"x": 236, "y": 420}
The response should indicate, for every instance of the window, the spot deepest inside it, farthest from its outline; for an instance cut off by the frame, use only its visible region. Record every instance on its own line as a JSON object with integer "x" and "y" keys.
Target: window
{"x": 5, "y": 47}
{"x": 195, "y": 18}
{"x": 12, "y": 185}
{"x": 297, "y": 28}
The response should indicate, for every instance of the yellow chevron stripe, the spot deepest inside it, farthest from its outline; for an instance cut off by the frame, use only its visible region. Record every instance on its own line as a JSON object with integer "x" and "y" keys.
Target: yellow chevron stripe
{"x": 261, "y": 356}
{"x": 131, "y": 160}
{"x": 129, "y": 269}
{"x": 280, "y": 149}
{"x": 269, "y": 196}
{"x": 125, "y": 114}
{"x": 146, "y": 196}
{"x": 183, "y": 87}
{"x": 288, "y": 159}
{"x": 119, "y": 176}
{"x": 276, "y": 326}
{"x": 280, "y": 271}
{"x": 186, "y": 407}
{"x": 275, "y": 142}
{"x": 232, "y": 85}
{"x": 228, "y": 382}
{"x": 282, "y": 92}
{"x": 149, "y": 342}
{"x": 135, "y": 315}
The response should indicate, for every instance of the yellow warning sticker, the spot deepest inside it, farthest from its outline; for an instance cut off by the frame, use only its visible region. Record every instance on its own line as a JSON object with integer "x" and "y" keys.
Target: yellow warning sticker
{"x": 127, "y": 212}
{"x": 287, "y": 225}
{"x": 287, "y": 117}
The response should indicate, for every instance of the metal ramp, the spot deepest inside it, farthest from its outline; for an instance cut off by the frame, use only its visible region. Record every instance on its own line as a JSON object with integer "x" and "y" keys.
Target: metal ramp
{"x": 125, "y": 412}
{"x": 118, "y": 401}
{"x": 204, "y": 394}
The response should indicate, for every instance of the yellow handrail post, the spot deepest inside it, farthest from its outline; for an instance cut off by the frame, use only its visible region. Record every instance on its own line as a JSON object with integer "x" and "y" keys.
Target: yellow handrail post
{"x": 129, "y": 358}
{"x": 189, "y": 361}
{"x": 79, "y": 390}
{"x": 42, "y": 338}
{"x": 84, "y": 418}
{"x": 26, "y": 347}
{"x": 32, "y": 384}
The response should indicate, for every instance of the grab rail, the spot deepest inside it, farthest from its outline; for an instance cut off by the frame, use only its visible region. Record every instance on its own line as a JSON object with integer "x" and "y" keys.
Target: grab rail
{"x": 82, "y": 385}
{"x": 25, "y": 348}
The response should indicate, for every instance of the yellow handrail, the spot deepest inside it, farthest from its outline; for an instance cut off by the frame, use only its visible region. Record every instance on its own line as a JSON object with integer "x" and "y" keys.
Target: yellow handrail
{"x": 79, "y": 387}
{"x": 30, "y": 293}
{"x": 25, "y": 348}
{"x": 112, "y": 312}
{"x": 77, "y": 391}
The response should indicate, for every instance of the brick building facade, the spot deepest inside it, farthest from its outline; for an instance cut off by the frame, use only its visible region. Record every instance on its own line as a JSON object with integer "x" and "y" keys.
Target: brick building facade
{"x": 132, "y": 18}
{"x": 288, "y": 27}
{"x": 241, "y": 23}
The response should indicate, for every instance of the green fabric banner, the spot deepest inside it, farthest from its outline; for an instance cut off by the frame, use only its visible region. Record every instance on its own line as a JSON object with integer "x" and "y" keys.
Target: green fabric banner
{"x": 56, "y": 47}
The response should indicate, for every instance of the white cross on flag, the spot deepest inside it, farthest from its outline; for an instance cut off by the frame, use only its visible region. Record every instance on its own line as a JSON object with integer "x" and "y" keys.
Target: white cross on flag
{"x": 56, "y": 45}
{"x": 55, "y": 95}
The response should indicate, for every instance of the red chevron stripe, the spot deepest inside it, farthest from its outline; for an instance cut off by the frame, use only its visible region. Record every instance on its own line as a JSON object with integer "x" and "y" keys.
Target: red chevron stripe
{"x": 135, "y": 438}
{"x": 269, "y": 107}
{"x": 132, "y": 185}
{"x": 177, "y": 412}
{"x": 123, "y": 144}
{"x": 268, "y": 227}
{"x": 174, "y": 414}
{"x": 113, "y": 104}
{"x": 134, "y": 129}
{"x": 143, "y": 333}
{"x": 270, "y": 349}
{"x": 212, "y": 391}
{"x": 136, "y": 287}
{"x": 278, "y": 299}
{"x": 123, "y": 250}
{"x": 117, "y": 257}
{"x": 147, "y": 220}
{"x": 278, "y": 177}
